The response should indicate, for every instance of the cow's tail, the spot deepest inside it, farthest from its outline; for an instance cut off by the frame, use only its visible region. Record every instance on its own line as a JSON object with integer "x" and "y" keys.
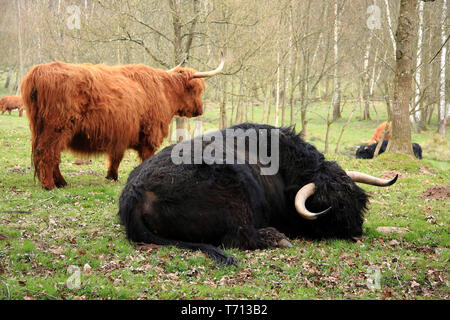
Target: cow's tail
{"x": 32, "y": 99}
{"x": 137, "y": 231}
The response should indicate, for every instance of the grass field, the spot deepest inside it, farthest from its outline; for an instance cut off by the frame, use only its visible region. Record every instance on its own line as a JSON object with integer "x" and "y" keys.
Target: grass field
{"x": 51, "y": 239}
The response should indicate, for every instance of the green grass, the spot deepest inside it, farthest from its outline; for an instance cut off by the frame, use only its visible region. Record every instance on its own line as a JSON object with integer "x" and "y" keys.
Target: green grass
{"x": 78, "y": 225}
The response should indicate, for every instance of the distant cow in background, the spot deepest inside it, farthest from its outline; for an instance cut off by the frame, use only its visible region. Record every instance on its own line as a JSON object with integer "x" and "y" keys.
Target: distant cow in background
{"x": 378, "y": 134}
{"x": 92, "y": 109}
{"x": 367, "y": 152}
{"x": 10, "y": 103}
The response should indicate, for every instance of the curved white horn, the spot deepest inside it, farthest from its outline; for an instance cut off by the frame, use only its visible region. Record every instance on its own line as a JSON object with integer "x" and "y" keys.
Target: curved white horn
{"x": 368, "y": 179}
{"x": 212, "y": 72}
{"x": 300, "y": 199}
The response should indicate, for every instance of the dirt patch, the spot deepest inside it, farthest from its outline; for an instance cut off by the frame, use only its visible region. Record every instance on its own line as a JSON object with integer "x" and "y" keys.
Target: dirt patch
{"x": 425, "y": 171}
{"x": 391, "y": 174}
{"x": 19, "y": 169}
{"x": 437, "y": 192}
{"x": 389, "y": 230}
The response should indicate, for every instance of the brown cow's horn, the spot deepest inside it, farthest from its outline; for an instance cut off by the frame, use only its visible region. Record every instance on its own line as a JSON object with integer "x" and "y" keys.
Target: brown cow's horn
{"x": 212, "y": 72}
{"x": 367, "y": 179}
{"x": 300, "y": 198}
{"x": 179, "y": 65}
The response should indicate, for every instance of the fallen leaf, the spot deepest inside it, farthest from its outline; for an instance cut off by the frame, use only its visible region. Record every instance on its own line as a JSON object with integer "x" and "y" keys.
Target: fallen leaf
{"x": 147, "y": 246}
{"x": 394, "y": 243}
{"x": 87, "y": 269}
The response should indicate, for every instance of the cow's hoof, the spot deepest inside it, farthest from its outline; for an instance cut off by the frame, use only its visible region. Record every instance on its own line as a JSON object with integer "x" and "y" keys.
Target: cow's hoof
{"x": 112, "y": 177}
{"x": 283, "y": 243}
{"x": 60, "y": 183}
{"x": 357, "y": 239}
{"x": 49, "y": 187}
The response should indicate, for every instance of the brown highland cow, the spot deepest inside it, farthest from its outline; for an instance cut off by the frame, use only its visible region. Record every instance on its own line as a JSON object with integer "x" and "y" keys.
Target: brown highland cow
{"x": 10, "y": 103}
{"x": 378, "y": 134}
{"x": 91, "y": 109}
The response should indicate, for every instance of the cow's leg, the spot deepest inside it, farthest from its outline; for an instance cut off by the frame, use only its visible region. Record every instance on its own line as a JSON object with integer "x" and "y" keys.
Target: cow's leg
{"x": 114, "y": 160}
{"x": 145, "y": 152}
{"x": 249, "y": 238}
{"x": 47, "y": 148}
{"x": 58, "y": 178}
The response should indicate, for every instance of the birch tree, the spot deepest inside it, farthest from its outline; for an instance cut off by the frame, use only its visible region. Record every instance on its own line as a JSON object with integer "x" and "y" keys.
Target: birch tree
{"x": 416, "y": 107}
{"x": 442, "y": 102}
{"x": 336, "y": 102}
{"x": 19, "y": 41}
{"x": 391, "y": 29}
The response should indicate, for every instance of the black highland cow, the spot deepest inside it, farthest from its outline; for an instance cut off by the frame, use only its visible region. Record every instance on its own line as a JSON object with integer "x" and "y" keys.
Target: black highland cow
{"x": 202, "y": 206}
{"x": 367, "y": 152}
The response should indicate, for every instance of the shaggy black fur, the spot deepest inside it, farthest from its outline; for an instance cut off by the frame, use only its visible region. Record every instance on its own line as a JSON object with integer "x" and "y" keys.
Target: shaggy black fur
{"x": 366, "y": 152}
{"x": 231, "y": 205}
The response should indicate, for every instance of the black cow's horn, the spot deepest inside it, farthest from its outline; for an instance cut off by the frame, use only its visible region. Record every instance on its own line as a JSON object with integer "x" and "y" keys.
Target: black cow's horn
{"x": 300, "y": 198}
{"x": 367, "y": 179}
{"x": 211, "y": 73}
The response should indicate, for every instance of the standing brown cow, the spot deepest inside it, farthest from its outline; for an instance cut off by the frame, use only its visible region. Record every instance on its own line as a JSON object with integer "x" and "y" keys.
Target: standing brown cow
{"x": 91, "y": 109}
{"x": 10, "y": 103}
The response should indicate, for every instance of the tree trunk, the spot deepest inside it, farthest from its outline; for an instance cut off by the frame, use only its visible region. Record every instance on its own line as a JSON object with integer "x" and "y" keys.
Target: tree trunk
{"x": 266, "y": 103}
{"x": 223, "y": 110}
{"x": 417, "y": 105}
{"x": 283, "y": 100}
{"x": 343, "y": 129}
{"x": 179, "y": 52}
{"x": 442, "y": 102}
{"x": 400, "y": 139}
{"x": 277, "y": 101}
{"x": 387, "y": 99}
{"x": 366, "y": 80}
{"x": 8, "y": 78}
{"x": 337, "y": 85}
{"x": 391, "y": 30}
{"x": 19, "y": 40}
{"x": 239, "y": 104}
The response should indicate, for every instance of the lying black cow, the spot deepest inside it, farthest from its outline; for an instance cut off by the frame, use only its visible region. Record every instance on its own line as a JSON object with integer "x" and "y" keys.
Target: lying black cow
{"x": 202, "y": 206}
{"x": 366, "y": 152}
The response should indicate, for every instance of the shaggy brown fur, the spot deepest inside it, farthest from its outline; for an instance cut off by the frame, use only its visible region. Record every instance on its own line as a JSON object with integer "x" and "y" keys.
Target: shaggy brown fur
{"x": 10, "y": 103}
{"x": 378, "y": 134}
{"x": 92, "y": 109}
